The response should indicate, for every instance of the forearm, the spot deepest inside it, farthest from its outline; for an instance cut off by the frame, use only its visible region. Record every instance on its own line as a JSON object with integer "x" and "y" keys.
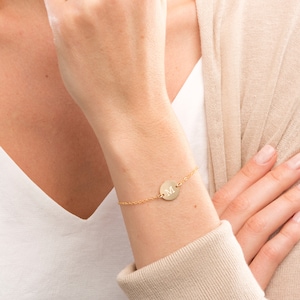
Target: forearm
{"x": 117, "y": 77}
{"x": 140, "y": 159}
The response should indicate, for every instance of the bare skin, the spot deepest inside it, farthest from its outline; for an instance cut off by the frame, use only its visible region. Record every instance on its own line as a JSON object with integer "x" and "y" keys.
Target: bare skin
{"x": 41, "y": 127}
{"x": 80, "y": 31}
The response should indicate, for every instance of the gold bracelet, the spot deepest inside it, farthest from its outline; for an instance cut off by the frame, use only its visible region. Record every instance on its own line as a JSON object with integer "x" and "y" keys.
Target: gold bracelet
{"x": 169, "y": 190}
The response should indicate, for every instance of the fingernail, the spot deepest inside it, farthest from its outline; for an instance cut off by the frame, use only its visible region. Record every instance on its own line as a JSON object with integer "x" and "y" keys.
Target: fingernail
{"x": 264, "y": 155}
{"x": 294, "y": 162}
{"x": 296, "y": 217}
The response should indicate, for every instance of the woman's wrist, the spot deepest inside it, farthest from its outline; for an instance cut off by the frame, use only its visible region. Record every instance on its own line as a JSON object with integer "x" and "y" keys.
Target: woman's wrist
{"x": 155, "y": 142}
{"x": 131, "y": 119}
{"x": 139, "y": 163}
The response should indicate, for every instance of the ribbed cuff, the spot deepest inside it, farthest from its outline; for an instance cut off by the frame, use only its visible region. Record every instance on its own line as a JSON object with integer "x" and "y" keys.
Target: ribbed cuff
{"x": 212, "y": 267}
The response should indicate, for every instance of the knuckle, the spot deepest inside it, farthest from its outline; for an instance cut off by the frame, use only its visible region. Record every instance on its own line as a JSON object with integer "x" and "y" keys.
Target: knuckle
{"x": 249, "y": 170}
{"x": 81, "y": 14}
{"x": 240, "y": 204}
{"x": 255, "y": 224}
{"x": 283, "y": 172}
{"x": 272, "y": 253}
{"x": 222, "y": 197}
{"x": 278, "y": 248}
{"x": 78, "y": 20}
{"x": 292, "y": 197}
{"x": 69, "y": 19}
{"x": 289, "y": 237}
{"x": 276, "y": 175}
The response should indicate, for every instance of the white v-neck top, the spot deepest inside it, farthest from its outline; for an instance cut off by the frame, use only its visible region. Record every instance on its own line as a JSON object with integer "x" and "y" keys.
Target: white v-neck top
{"x": 49, "y": 253}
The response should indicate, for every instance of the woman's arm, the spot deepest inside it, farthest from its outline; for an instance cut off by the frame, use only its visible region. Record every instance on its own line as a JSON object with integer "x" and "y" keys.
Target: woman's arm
{"x": 111, "y": 56}
{"x": 253, "y": 228}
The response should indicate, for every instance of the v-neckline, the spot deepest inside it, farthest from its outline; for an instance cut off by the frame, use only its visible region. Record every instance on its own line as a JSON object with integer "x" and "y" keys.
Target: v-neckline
{"x": 28, "y": 181}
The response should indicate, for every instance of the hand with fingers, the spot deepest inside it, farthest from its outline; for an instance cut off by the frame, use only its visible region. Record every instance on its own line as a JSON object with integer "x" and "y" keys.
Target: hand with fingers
{"x": 108, "y": 66}
{"x": 262, "y": 204}
{"x": 108, "y": 79}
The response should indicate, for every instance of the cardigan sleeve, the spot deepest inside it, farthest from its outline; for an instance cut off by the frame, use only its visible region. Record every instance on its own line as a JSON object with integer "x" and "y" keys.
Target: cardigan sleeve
{"x": 212, "y": 267}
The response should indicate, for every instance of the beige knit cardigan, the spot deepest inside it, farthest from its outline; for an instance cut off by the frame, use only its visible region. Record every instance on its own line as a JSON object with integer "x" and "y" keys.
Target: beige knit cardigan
{"x": 251, "y": 66}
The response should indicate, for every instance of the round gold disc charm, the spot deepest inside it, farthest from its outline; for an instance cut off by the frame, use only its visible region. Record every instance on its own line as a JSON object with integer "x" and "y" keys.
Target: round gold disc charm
{"x": 169, "y": 190}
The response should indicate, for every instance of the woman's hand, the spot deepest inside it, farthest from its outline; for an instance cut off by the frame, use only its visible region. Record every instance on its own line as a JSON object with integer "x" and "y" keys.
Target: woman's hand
{"x": 259, "y": 202}
{"x": 111, "y": 57}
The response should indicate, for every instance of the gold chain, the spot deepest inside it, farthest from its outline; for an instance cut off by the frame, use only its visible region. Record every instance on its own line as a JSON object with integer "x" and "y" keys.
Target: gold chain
{"x": 171, "y": 193}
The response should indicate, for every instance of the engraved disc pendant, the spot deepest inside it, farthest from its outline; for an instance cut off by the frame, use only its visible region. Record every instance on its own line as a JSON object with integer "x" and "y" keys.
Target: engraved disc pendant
{"x": 169, "y": 190}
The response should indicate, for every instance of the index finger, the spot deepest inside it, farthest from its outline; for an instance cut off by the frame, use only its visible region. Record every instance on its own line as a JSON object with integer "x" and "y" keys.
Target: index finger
{"x": 254, "y": 170}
